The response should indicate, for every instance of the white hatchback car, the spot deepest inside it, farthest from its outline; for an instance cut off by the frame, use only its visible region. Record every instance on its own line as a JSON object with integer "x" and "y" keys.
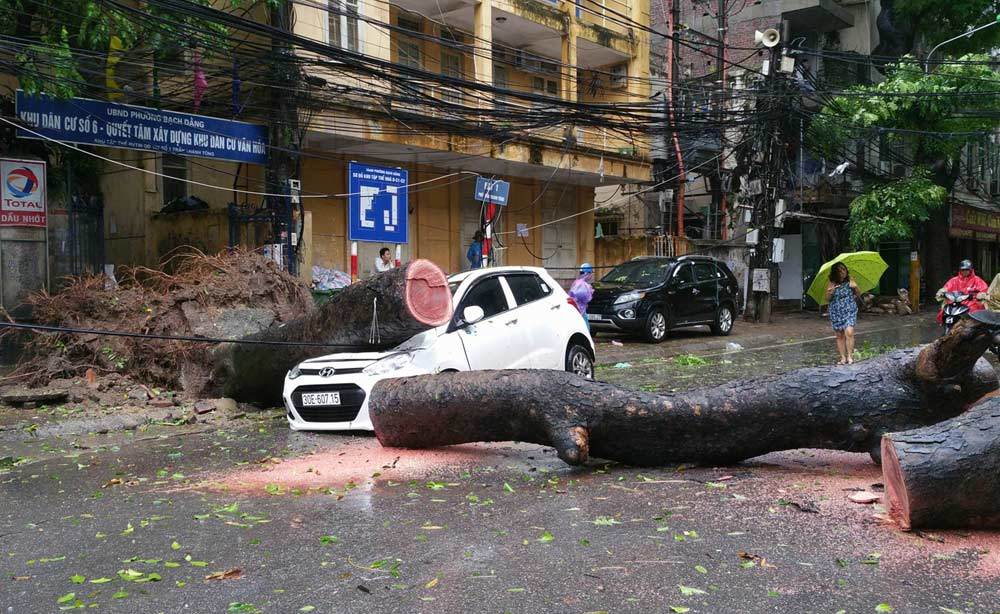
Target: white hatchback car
{"x": 505, "y": 318}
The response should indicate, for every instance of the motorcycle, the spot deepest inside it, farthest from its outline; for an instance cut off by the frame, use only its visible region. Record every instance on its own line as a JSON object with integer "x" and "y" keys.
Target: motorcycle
{"x": 956, "y": 306}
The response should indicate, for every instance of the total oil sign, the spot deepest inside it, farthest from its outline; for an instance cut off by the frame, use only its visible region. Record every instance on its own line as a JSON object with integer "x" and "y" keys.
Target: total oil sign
{"x": 22, "y": 193}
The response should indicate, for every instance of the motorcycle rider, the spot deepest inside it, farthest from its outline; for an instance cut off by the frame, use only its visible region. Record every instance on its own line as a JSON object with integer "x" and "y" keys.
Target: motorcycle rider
{"x": 964, "y": 282}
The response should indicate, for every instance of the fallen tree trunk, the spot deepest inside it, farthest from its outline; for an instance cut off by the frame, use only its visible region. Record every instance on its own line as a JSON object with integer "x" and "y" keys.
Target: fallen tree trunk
{"x": 407, "y": 301}
{"x": 946, "y": 475}
{"x": 843, "y": 408}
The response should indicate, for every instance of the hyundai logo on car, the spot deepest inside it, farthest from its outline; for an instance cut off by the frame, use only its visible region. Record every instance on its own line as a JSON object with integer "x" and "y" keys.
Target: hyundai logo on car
{"x": 327, "y": 372}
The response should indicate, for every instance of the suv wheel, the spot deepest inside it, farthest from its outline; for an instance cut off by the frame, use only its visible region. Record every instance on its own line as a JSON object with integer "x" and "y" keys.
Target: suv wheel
{"x": 579, "y": 362}
{"x": 723, "y": 321}
{"x": 656, "y": 326}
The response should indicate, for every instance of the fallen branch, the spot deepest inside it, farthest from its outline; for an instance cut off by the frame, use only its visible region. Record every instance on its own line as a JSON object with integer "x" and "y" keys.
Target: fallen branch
{"x": 946, "y": 475}
{"x": 842, "y": 408}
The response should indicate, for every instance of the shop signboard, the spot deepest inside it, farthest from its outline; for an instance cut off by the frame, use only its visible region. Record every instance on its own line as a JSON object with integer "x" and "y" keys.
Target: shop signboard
{"x": 974, "y": 223}
{"x": 22, "y": 193}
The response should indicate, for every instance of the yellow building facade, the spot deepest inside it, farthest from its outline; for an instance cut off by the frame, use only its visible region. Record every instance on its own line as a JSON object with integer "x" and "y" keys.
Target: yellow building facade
{"x": 591, "y": 52}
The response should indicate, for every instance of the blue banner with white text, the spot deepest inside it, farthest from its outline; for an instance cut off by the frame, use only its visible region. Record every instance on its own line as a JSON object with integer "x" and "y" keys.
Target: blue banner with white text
{"x": 110, "y": 124}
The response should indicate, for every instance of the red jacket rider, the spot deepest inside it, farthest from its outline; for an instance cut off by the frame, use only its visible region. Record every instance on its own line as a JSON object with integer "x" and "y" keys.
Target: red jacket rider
{"x": 966, "y": 282}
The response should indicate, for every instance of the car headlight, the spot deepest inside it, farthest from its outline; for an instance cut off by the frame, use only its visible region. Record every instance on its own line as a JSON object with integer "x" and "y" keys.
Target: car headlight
{"x": 628, "y": 297}
{"x": 388, "y": 364}
{"x": 294, "y": 372}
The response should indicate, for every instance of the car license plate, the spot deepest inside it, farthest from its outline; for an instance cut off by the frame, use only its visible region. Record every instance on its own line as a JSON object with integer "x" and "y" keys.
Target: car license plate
{"x": 316, "y": 399}
{"x": 594, "y": 316}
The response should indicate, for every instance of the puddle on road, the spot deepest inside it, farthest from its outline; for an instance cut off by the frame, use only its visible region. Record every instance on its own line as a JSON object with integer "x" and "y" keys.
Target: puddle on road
{"x": 670, "y": 374}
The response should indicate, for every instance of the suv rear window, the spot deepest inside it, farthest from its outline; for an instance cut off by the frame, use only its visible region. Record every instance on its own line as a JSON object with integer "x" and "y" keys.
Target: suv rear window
{"x": 527, "y": 288}
{"x": 706, "y": 271}
{"x": 684, "y": 274}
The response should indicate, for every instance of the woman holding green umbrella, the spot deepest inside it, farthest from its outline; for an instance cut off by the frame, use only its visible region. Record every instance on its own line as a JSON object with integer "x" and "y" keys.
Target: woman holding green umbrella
{"x": 840, "y": 282}
{"x": 843, "y": 293}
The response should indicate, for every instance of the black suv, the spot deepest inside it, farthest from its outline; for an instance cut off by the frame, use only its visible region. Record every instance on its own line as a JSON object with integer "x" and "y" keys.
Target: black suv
{"x": 652, "y": 295}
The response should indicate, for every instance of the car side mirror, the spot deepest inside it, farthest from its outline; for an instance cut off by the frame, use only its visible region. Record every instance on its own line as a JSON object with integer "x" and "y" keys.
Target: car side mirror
{"x": 473, "y": 314}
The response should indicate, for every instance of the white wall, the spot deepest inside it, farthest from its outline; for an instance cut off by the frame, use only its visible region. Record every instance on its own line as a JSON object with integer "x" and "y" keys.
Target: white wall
{"x": 790, "y": 282}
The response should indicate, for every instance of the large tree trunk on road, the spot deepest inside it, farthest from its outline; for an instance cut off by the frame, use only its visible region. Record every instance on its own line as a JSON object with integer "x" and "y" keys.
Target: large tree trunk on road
{"x": 842, "y": 408}
{"x": 946, "y": 475}
{"x": 408, "y": 300}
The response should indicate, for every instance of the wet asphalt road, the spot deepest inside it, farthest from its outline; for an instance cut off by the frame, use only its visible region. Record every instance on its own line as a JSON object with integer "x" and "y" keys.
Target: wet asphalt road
{"x": 334, "y": 523}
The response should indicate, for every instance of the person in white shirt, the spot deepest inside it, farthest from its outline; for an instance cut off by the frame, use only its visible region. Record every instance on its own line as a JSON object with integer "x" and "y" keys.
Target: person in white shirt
{"x": 384, "y": 261}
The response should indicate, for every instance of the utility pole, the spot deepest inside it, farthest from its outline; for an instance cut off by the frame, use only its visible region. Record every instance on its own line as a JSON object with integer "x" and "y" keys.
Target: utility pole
{"x": 763, "y": 271}
{"x": 673, "y": 49}
{"x": 283, "y": 157}
{"x": 718, "y": 194}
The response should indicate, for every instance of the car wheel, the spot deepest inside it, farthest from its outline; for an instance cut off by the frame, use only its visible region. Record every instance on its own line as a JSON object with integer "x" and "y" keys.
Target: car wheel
{"x": 723, "y": 321}
{"x": 656, "y": 326}
{"x": 578, "y": 361}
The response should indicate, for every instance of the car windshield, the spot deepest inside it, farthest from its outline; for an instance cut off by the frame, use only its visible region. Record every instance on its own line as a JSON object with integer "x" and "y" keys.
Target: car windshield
{"x": 639, "y": 273}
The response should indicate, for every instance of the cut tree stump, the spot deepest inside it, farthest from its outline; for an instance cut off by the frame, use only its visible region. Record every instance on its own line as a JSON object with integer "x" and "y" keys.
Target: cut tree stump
{"x": 408, "y": 300}
{"x": 946, "y": 475}
{"x": 842, "y": 408}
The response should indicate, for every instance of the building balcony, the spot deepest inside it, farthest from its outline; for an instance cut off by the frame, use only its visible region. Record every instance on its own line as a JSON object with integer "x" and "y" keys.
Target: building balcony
{"x": 816, "y": 15}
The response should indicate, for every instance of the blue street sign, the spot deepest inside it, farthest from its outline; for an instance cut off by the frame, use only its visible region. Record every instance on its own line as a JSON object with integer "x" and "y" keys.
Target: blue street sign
{"x": 126, "y": 126}
{"x": 493, "y": 191}
{"x": 377, "y": 205}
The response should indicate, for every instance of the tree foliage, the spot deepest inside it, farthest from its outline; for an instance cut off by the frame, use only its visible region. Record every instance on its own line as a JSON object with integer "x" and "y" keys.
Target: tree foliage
{"x": 939, "y": 20}
{"x": 930, "y": 117}
{"x": 890, "y": 211}
{"x": 63, "y": 43}
{"x": 932, "y": 113}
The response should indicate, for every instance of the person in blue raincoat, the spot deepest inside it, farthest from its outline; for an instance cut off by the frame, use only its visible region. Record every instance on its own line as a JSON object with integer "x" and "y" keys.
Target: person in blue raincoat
{"x": 581, "y": 291}
{"x": 475, "y": 252}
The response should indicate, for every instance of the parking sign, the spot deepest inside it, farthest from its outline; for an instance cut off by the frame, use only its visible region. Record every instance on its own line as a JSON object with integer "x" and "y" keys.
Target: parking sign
{"x": 378, "y": 208}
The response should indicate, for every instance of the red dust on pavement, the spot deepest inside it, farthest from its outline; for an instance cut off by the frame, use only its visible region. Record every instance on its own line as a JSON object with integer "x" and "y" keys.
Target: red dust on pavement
{"x": 357, "y": 463}
{"x": 822, "y": 480}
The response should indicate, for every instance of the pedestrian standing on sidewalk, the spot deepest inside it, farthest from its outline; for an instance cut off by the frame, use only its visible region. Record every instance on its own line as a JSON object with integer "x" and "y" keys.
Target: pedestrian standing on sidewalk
{"x": 581, "y": 291}
{"x": 475, "y": 253}
{"x": 384, "y": 261}
{"x": 842, "y": 294}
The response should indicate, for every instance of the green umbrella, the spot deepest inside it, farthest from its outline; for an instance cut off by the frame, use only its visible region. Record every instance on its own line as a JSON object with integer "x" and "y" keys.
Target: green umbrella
{"x": 866, "y": 269}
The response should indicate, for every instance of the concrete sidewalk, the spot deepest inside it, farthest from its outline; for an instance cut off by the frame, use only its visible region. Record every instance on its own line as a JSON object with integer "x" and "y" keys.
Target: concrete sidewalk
{"x": 787, "y": 328}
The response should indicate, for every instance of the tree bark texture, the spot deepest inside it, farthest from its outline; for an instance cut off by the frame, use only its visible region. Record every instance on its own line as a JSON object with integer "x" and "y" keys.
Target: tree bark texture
{"x": 407, "y": 301}
{"x": 946, "y": 475}
{"x": 842, "y": 408}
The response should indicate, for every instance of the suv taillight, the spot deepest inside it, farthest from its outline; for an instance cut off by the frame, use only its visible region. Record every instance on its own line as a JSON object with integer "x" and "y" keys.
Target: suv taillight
{"x": 569, "y": 299}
